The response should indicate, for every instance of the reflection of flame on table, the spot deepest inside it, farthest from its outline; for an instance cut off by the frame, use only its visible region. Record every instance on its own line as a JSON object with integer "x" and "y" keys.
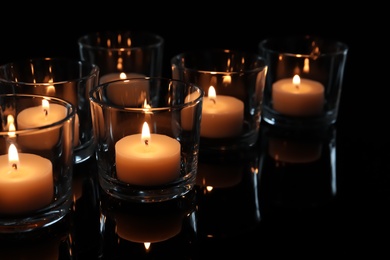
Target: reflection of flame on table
{"x": 218, "y": 175}
{"x": 156, "y": 226}
{"x": 294, "y": 151}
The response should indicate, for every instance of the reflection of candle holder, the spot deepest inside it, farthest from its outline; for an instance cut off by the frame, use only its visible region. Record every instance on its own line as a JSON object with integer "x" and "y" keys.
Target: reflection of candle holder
{"x": 294, "y": 151}
{"x": 227, "y": 205}
{"x": 304, "y": 81}
{"x": 35, "y": 182}
{"x": 84, "y": 234}
{"x": 305, "y": 179}
{"x": 231, "y": 113}
{"x": 163, "y": 230}
{"x": 70, "y": 80}
{"x": 148, "y": 154}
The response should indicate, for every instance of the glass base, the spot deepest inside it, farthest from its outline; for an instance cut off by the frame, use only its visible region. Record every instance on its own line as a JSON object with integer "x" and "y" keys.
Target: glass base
{"x": 146, "y": 194}
{"x": 272, "y": 117}
{"x": 20, "y": 226}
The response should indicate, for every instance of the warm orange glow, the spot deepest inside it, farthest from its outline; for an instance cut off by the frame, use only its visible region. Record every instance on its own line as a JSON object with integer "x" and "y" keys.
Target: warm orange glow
{"x": 11, "y": 130}
{"x": 10, "y": 121}
{"x": 146, "y": 107}
{"x": 306, "y": 66}
{"x": 227, "y": 79}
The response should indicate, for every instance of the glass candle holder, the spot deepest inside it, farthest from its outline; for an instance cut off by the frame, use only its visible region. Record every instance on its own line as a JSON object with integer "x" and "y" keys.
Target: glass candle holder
{"x": 63, "y": 78}
{"x": 123, "y": 54}
{"x": 36, "y": 161}
{"x": 233, "y": 83}
{"x": 304, "y": 81}
{"x": 147, "y": 144}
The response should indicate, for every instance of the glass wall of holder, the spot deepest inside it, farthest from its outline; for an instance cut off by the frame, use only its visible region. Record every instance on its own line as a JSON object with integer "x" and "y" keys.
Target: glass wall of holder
{"x": 123, "y": 54}
{"x": 63, "y": 78}
{"x": 233, "y": 83}
{"x": 147, "y": 145}
{"x": 36, "y": 162}
{"x": 304, "y": 80}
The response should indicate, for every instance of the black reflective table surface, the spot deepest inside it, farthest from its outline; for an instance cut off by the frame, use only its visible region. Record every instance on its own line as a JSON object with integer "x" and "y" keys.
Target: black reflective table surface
{"x": 313, "y": 195}
{"x": 329, "y": 198}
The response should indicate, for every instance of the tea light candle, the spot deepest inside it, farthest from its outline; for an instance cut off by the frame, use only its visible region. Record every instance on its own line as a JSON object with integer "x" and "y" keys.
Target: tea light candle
{"x": 222, "y": 116}
{"x": 26, "y": 182}
{"x": 147, "y": 159}
{"x": 126, "y": 93}
{"x": 298, "y": 97}
{"x": 39, "y": 116}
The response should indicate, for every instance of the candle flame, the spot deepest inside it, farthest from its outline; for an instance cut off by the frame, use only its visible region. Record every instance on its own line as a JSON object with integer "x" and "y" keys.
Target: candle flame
{"x": 11, "y": 130}
{"x": 146, "y": 107}
{"x": 13, "y": 156}
{"x": 306, "y": 65}
{"x": 45, "y": 106}
{"x": 147, "y": 246}
{"x": 10, "y": 119}
{"x": 145, "y": 136}
{"x": 212, "y": 94}
{"x": 122, "y": 75}
{"x": 296, "y": 80}
{"x": 227, "y": 79}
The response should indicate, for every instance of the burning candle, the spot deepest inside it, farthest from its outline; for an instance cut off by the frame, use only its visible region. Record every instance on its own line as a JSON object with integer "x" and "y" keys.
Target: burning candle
{"x": 147, "y": 159}
{"x": 39, "y": 116}
{"x": 222, "y": 116}
{"x": 26, "y": 182}
{"x": 126, "y": 93}
{"x": 298, "y": 97}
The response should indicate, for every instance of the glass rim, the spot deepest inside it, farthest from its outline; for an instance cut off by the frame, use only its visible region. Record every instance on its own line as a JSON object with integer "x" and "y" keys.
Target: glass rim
{"x": 93, "y": 70}
{"x": 70, "y": 113}
{"x": 155, "y": 40}
{"x": 334, "y": 47}
{"x": 179, "y": 61}
{"x": 105, "y": 85}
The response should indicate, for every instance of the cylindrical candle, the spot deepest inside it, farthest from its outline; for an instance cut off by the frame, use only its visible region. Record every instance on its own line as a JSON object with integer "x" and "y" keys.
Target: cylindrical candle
{"x": 132, "y": 93}
{"x": 27, "y": 185}
{"x": 154, "y": 161}
{"x": 222, "y": 116}
{"x": 298, "y": 97}
{"x": 36, "y": 116}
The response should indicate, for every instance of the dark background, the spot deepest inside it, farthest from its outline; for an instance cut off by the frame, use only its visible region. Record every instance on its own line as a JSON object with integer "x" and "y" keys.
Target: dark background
{"x": 363, "y": 130}
{"x": 34, "y": 30}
